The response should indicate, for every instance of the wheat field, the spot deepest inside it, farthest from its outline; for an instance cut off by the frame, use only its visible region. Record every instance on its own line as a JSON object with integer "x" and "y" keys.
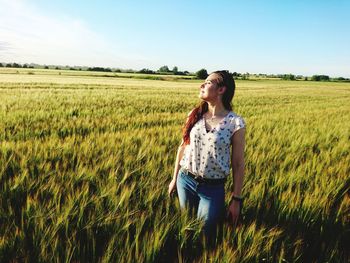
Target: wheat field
{"x": 86, "y": 159}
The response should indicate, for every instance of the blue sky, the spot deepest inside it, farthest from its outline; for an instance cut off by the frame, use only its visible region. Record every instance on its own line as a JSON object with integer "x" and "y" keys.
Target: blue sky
{"x": 298, "y": 37}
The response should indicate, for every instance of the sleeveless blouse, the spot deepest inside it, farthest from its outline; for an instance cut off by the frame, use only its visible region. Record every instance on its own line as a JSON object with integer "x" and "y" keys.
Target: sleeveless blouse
{"x": 208, "y": 154}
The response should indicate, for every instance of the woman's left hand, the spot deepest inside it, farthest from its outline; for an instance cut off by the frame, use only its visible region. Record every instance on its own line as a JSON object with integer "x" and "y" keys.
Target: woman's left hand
{"x": 233, "y": 212}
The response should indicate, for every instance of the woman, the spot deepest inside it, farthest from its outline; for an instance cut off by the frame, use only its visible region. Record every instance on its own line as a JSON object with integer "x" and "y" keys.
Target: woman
{"x": 203, "y": 159}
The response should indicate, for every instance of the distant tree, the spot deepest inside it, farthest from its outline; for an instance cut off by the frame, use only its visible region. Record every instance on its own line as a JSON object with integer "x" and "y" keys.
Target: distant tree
{"x": 340, "y": 79}
{"x": 186, "y": 72}
{"x": 25, "y": 66}
{"x": 46, "y": 67}
{"x": 202, "y": 74}
{"x": 175, "y": 70}
{"x": 57, "y": 67}
{"x": 146, "y": 71}
{"x": 1, "y": 65}
{"x": 180, "y": 73}
{"x": 320, "y": 78}
{"x": 164, "y": 69}
{"x": 315, "y": 78}
{"x": 245, "y": 75}
{"x": 288, "y": 77}
{"x": 9, "y": 65}
{"x": 324, "y": 78}
{"x": 16, "y": 65}
{"x": 99, "y": 69}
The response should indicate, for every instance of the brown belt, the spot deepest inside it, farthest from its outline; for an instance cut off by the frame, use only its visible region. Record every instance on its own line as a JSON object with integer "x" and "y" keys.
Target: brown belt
{"x": 207, "y": 181}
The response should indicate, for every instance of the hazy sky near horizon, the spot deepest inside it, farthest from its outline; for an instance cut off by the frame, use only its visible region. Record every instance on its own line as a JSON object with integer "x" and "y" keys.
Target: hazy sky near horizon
{"x": 298, "y": 37}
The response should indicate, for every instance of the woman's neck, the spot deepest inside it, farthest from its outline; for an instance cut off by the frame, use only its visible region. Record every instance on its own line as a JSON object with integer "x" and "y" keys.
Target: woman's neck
{"x": 217, "y": 109}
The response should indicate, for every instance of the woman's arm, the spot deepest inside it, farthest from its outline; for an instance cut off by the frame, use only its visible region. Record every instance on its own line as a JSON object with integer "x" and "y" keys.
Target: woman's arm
{"x": 179, "y": 155}
{"x": 180, "y": 152}
{"x": 237, "y": 161}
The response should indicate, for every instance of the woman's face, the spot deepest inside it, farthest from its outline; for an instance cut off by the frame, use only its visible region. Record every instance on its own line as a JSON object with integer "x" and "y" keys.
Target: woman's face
{"x": 209, "y": 90}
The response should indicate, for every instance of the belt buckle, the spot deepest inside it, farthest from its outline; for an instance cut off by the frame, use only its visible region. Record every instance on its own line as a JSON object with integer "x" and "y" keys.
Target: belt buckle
{"x": 194, "y": 176}
{"x": 198, "y": 178}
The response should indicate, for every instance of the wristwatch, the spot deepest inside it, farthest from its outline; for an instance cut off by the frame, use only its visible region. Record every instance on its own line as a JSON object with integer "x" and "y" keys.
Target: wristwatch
{"x": 236, "y": 198}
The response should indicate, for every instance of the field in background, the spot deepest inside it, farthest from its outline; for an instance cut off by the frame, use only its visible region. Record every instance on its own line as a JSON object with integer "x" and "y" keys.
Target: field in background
{"x": 85, "y": 163}
{"x": 12, "y": 72}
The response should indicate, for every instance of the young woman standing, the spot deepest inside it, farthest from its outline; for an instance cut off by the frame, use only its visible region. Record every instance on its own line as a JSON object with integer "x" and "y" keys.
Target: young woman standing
{"x": 204, "y": 158}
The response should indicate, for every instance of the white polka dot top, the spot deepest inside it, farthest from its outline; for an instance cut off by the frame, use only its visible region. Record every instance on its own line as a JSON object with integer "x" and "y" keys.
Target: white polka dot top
{"x": 208, "y": 153}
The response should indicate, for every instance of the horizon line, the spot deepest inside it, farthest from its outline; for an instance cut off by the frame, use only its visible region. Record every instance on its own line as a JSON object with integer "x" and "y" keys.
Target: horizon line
{"x": 135, "y": 70}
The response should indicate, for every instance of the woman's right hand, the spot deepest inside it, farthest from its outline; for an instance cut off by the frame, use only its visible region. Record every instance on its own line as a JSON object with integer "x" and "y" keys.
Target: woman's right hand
{"x": 172, "y": 187}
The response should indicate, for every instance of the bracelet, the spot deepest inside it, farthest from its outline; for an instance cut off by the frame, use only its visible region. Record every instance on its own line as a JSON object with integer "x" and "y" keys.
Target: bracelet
{"x": 236, "y": 198}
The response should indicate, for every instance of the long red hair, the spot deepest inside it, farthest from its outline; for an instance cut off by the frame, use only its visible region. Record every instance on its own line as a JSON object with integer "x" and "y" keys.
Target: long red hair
{"x": 226, "y": 79}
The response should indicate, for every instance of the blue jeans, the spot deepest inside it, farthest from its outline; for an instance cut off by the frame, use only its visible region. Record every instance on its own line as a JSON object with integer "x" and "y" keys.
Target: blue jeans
{"x": 207, "y": 201}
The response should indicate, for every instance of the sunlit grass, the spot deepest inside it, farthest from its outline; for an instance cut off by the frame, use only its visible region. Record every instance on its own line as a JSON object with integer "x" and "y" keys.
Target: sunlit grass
{"x": 85, "y": 163}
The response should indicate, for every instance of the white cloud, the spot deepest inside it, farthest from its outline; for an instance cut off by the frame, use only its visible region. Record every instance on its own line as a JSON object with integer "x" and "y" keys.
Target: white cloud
{"x": 27, "y": 35}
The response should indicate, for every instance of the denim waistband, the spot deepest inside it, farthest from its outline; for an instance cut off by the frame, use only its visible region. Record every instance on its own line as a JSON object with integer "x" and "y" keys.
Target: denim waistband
{"x": 202, "y": 180}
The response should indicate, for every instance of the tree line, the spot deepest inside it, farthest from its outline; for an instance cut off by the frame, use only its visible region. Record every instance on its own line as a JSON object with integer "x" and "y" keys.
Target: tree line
{"x": 200, "y": 74}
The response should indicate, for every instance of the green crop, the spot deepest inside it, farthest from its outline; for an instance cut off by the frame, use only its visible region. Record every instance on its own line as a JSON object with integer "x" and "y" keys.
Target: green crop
{"x": 85, "y": 163}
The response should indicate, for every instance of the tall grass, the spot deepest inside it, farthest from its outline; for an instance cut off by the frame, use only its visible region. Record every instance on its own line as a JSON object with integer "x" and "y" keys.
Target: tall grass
{"x": 85, "y": 164}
